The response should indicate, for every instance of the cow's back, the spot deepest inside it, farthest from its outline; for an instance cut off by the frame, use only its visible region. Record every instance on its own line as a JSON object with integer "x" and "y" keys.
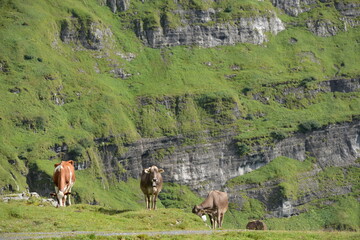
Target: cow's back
{"x": 64, "y": 174}
{"x": 220, "y": 200}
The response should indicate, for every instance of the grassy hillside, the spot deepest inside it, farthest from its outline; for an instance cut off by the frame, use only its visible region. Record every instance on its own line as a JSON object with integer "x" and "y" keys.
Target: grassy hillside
{"x": 54, "y": 91}
{"x": 340, "y": 212}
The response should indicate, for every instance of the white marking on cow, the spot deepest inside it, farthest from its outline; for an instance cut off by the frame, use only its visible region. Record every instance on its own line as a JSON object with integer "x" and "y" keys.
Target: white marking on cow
{"x": 203, "y": 218}
{"x": 70, "y": 176}
{"x": 57, "y": 169}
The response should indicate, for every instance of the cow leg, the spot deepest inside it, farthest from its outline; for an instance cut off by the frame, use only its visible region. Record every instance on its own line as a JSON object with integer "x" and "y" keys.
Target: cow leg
{"x": 212, "y": 221}
{"x": 150, "y": 202}
{"x": 147, "y": 200}
{"x": 69, "y": 200}
{"x": 69, "y": 195}
{"x": 221, "y": 219}
{"x": 216, "y": 220}
{"x": 65, "y": 199}
{"x": 56, "y": 196}
{"x": 154, "y": 201}
{"x": 60, "y": 196}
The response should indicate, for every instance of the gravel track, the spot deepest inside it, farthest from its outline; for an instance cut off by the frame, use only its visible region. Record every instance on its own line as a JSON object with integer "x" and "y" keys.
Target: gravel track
{"x": 40, "y": 235}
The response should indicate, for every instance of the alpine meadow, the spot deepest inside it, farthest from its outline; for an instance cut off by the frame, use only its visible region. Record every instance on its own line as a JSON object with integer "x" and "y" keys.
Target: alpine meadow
{"x": 256, "y": 98}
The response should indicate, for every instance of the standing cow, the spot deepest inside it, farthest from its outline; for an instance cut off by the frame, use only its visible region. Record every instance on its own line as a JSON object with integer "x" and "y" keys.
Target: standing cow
{"x": 151, "y": 184}
{"x": 64, "y": 179}
{"x": 215, "y": 205}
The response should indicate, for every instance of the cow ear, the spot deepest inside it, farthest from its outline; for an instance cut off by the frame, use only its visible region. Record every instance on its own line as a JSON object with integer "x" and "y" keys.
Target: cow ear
{"x": 56, "y": 164}
{"x": 71, "y": 162}
{"x": 161, "y": 170}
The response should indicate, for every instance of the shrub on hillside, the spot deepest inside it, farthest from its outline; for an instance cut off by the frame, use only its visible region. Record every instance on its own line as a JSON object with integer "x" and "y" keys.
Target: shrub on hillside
{"x": 309, "y": 126}
{"x": 305, "y": 81}
{"x": 243, "y": 148}
{"x": 278, "y": 135}
{"x": 76, "y": 152}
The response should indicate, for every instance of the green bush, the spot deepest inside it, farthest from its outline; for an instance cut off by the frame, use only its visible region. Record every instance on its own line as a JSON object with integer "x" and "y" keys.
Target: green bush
{"x": 309, "y": 126}
{"x": 242, "y": 148}
{"x": 307, "y": 80}
{"x": 76, "y": 152}
{"x": 278, "y": 135}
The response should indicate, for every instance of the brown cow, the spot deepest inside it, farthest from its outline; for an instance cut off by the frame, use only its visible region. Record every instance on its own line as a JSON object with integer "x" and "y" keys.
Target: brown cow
{"x": 215, "y": 205}
{"x": 64, "y": 179}
{"x": 151, "y": 184}
{"x": 256, "y": 225}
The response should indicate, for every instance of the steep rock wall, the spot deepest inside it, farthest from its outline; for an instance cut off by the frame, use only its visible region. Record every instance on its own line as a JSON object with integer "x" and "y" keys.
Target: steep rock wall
{"x": 118, "y": 5}
{"x": 209, "y": 165}
{"x": 201, "y": 28}
{"x": 86, "y": 33}
{"x": 294, "y": 7}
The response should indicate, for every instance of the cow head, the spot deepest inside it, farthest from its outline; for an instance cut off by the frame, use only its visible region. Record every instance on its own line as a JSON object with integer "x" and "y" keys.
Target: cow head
{"x": 154, "y": 174}
{"x": 198, "y": 211}
{"x": 54, "y": 196}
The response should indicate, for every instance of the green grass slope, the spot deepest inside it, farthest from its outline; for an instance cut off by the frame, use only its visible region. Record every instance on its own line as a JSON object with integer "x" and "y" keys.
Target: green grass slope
{"x": 54, "y": 92}
{"x": 339, "y": 212}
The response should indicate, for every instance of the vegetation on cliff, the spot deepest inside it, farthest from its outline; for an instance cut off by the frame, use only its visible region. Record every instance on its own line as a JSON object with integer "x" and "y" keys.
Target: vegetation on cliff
{"x": 73, "y": 72}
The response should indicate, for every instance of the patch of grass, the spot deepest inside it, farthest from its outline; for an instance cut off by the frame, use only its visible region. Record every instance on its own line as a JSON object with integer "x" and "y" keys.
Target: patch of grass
{"x": 176, "y": 196}
{"x": 341, "y": 215}
{"x": 27, "y": 217}
{"x": 21, "y": 217}
{"x": 279, "y": 168}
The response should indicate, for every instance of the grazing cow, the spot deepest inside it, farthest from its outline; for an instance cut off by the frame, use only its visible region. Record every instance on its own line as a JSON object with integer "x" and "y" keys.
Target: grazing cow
{"x": 151, "y": 184}
{"x": 64, "y": 179}
{"x": 256, "y": 225}
{"x": 215, "y": 205}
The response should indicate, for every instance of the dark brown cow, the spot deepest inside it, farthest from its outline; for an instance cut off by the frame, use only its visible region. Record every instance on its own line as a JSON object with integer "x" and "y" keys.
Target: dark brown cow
{"x": 256, "y": 225}
{"x": 64, "y": 179}
{"x": 151, "y": 184}
{"x": 215, "y": 205}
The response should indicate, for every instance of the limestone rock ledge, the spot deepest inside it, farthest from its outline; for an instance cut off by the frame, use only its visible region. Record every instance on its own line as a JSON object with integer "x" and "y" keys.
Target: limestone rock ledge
{"x": 209, "y": 165}
{"x": 201, "y": 28}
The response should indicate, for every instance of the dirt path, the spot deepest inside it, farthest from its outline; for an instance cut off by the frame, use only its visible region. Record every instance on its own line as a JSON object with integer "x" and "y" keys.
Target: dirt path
{"x": 39, "y": 235}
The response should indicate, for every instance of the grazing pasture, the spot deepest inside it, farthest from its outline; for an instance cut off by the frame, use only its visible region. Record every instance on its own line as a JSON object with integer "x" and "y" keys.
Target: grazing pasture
{"x": 97, "y": 222}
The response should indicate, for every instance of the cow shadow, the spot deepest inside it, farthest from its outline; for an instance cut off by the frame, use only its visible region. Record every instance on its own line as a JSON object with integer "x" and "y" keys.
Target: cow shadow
{"x": 113, "y": 211}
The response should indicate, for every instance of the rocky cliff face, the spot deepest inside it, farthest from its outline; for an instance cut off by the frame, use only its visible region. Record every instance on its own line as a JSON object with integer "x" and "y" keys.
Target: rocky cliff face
{"x": 84, "y": 32}
{"x": 294, "y": 7}
{"x": 214, "y": 160}
{"x": 211, "y": 164}
{"x": 202, "y": 28}
{"x": 118, "y": 5}
{"x": 348, "y": 11}
{"x": 302, "y": 91}
{"x": 206, "y": 28}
